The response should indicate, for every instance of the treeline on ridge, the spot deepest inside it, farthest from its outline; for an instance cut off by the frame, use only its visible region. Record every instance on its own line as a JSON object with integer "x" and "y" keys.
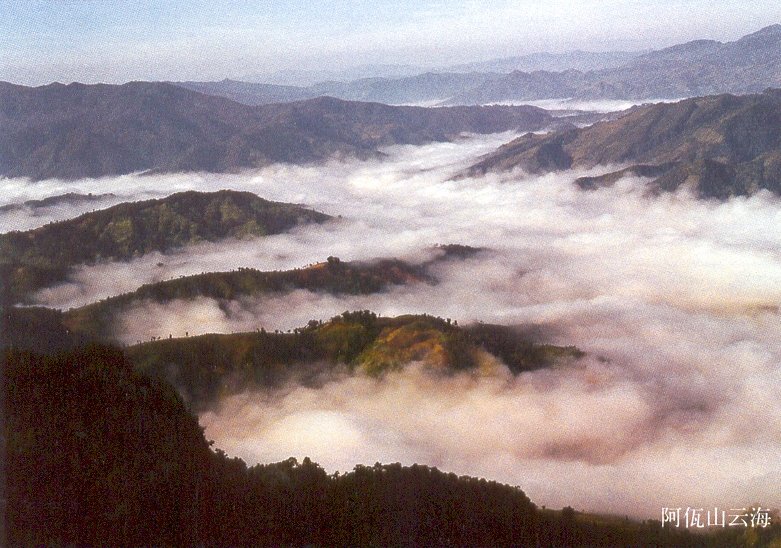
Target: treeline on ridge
{"x": 208, "y": 367}
{"x": 333, "y": 276}
{"x": 38, "y": 258}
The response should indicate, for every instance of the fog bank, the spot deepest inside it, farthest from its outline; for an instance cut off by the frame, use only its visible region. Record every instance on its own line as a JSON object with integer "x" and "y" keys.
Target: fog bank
{"x": 675, "y": 300}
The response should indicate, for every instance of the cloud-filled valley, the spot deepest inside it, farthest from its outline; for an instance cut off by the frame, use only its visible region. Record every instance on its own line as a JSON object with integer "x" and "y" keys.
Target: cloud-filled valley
{"x": 675, "y": 300}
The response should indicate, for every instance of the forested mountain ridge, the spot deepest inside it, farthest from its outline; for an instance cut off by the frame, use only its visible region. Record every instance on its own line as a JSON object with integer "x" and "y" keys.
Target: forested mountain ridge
{"x": 132, "y": 468}
{"x": 720, "y": 146}
{"x": 79, "y": 130}
{"x": 208, "y": 367}
{"x": 37, "y": 258}
{"x": 334, "y": 276}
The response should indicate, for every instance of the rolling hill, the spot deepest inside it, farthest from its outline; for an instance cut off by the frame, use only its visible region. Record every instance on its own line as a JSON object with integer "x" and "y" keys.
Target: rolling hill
{"x": 37, "y": 258}
{"x": 206, "y": 368}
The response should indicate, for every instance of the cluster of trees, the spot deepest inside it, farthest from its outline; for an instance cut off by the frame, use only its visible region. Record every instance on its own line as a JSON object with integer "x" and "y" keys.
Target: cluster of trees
{"x": 40, "y": 257}
{"x": 99, "y": 455}
{"x": 517, "y": 349}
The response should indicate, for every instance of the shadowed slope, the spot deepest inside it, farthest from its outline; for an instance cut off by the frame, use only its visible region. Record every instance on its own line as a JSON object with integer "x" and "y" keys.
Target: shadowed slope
{"x": 720, "y": 146}
{"x": 78, "y": 130}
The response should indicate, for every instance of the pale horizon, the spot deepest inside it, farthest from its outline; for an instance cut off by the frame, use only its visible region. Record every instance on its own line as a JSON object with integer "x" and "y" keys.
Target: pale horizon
{"x": 101, "y": 41}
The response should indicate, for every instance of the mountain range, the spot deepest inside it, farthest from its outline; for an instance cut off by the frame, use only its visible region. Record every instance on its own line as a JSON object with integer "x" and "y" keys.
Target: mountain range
{"x": 700, "y": 67}
{"x": 720, "y": 146}
{"x": 78, "y": 130}
{"x": 580, "y": 60}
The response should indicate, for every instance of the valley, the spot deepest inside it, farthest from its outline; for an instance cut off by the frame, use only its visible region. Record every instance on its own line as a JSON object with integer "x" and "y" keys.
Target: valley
{"x": 227, "y": 300}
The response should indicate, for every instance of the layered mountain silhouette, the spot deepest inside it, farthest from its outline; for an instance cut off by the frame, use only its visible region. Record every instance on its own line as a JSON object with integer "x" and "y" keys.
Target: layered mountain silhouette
{"x": 78, "y": 130}
{"x": 699, "y": 67}
{"x": 720, "y": 146}
{"x": 580, "y": 60}
{"x": 419, "y": 88}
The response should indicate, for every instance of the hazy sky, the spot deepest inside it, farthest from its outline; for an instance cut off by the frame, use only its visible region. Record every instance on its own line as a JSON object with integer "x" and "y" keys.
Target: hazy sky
{"x": 120, "y": 40}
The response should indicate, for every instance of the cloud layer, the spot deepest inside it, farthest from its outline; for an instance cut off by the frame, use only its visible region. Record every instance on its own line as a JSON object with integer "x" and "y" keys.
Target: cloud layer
{"x": 675, "y": 300}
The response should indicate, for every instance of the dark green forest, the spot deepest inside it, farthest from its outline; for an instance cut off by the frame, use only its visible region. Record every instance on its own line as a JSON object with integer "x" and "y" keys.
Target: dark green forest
{"x": 41, "y": 257}
{"x": 101, "y": 455}
{"x": 332, "y": 276}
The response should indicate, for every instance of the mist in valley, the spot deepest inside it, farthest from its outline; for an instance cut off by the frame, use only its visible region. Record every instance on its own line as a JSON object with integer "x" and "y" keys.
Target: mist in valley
{"x": 675, "y": 301}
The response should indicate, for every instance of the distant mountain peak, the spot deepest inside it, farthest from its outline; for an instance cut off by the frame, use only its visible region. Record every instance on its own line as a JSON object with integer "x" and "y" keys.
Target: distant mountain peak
{"x": 770, "y": 30}
{"x": 694, "y": 46}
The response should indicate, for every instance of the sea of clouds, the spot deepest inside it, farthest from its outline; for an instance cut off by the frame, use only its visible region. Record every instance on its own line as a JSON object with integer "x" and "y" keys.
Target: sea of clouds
{"x": 674, "y": 299}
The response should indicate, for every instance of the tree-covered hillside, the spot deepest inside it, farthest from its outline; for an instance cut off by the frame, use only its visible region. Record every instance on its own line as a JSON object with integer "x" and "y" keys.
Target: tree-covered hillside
{"x": 43, "y": 256}
{"x": 99, "y": 455}
{"x": 208, "y": 367}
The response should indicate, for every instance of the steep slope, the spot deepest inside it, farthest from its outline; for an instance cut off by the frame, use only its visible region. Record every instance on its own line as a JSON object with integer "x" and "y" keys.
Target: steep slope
{"x": 132, "y": 468}
{"x": 78, "y": 131}
{"x": 720, "y": 146}
{"x": 43, "y": 256}
{"x": 93, "y": 447}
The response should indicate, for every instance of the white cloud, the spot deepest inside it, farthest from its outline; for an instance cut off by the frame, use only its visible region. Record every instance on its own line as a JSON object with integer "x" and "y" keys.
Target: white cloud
{"x": 675, "y": 300}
